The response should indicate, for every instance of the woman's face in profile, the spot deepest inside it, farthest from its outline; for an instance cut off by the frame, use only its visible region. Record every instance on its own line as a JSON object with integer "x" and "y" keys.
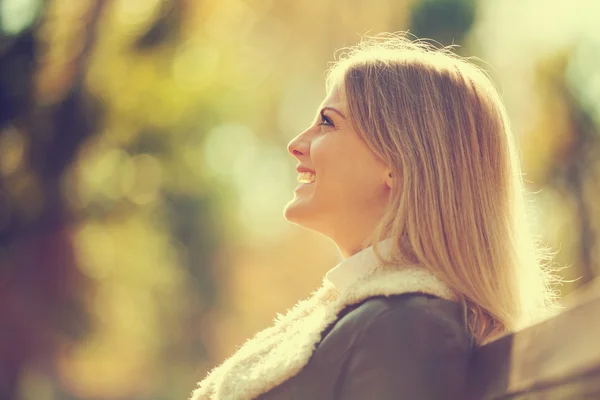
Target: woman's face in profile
{"x": 351, "y": 185}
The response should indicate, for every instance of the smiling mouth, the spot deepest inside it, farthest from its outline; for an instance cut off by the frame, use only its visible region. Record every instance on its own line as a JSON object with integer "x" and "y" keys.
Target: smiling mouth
{"x": 306, "y": 177}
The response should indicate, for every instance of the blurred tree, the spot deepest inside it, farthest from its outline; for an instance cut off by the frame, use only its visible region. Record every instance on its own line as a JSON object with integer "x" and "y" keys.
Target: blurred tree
{"x": 41, "y": 288}
{"x": 446, "y": 21}
{"x": 138, "y": 192}
{"x": 575, "y": 169}
{"x": 163, "y": 29}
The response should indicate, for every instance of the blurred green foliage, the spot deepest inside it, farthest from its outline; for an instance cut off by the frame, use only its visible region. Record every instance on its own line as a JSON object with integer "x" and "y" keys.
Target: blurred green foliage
{"x": 447, "y": 21}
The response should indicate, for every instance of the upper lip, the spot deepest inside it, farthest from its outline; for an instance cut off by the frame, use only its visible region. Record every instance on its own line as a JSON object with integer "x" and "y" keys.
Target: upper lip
{"x": 304, "y": 169}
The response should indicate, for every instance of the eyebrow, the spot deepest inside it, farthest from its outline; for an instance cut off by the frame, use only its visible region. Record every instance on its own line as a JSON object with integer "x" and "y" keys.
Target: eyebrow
{"x": 333, "y": 109}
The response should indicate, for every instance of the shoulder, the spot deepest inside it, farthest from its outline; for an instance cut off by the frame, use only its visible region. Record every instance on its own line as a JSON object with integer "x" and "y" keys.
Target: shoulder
{"x": 414, "y": 315}
{"x": 411, "y": 345}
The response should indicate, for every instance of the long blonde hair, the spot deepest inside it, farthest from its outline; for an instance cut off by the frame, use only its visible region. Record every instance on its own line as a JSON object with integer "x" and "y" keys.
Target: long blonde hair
{"x": 458, "y": 203}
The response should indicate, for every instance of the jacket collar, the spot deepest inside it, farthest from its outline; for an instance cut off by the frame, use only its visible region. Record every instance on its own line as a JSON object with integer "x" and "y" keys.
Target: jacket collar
{"x": 352, "y": 268}
{"x": 281, "y": 351}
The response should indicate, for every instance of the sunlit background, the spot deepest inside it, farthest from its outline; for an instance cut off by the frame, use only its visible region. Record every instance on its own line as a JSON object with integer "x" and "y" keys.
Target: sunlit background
{"x": 144, "y": 169}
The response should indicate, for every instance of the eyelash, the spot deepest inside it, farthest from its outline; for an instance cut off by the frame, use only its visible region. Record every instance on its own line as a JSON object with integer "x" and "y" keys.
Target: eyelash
{"x": 326, "y": 119}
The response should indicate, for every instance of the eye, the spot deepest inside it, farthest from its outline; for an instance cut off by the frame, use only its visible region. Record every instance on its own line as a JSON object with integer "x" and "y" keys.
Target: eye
{"x": 325, "y": 120}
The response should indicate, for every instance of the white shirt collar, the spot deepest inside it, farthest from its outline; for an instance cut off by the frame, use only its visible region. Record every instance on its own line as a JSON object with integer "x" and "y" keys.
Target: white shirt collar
{"x": 357, "y": 265}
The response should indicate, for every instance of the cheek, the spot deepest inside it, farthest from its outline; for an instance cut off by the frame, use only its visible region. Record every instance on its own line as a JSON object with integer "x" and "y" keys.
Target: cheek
{"x": 347, "y": 182}
{"x": 345, "y": 174}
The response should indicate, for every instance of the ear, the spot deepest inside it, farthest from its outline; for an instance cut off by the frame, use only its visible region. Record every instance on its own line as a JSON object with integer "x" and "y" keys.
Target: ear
{"x": 388, "y": 180}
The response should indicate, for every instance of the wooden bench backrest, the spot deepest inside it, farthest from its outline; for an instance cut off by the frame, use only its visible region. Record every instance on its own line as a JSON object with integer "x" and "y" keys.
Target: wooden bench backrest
{"x": 557, "y": 359}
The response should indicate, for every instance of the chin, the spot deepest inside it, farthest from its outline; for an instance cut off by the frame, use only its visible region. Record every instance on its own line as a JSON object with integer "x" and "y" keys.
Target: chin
{"x": 298, "y": 213}
{"x": 291, "y": 212}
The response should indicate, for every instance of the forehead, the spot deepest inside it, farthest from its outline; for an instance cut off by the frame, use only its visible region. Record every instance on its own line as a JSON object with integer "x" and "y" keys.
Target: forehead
{"x": 336, "y": 97}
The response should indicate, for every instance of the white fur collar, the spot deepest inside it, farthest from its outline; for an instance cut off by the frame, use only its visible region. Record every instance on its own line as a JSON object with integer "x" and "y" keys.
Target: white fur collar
{"x": 279, "y": 352}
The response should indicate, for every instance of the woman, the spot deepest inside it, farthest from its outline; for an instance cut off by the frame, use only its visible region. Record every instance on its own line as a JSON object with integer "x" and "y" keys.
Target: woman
{"x": 411, "y": 169}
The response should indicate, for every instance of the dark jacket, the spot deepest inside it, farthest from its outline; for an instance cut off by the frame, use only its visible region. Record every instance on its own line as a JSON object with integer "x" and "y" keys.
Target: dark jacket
{"x": 410, "y": 346}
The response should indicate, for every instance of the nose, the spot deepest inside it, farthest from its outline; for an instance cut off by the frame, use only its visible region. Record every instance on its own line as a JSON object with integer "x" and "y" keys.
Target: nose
{"x": 298, "y": 146}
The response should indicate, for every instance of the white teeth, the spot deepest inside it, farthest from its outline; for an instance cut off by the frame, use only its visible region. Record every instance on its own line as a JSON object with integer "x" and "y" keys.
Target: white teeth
{"x": 306, "y": 177}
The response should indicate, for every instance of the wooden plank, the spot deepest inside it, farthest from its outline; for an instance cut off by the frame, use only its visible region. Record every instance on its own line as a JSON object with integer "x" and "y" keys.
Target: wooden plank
{"x": 556, "y": 359}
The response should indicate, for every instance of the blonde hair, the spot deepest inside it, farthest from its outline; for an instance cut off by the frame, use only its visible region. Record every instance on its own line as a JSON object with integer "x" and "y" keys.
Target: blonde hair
{"x": 458, "y": 203}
